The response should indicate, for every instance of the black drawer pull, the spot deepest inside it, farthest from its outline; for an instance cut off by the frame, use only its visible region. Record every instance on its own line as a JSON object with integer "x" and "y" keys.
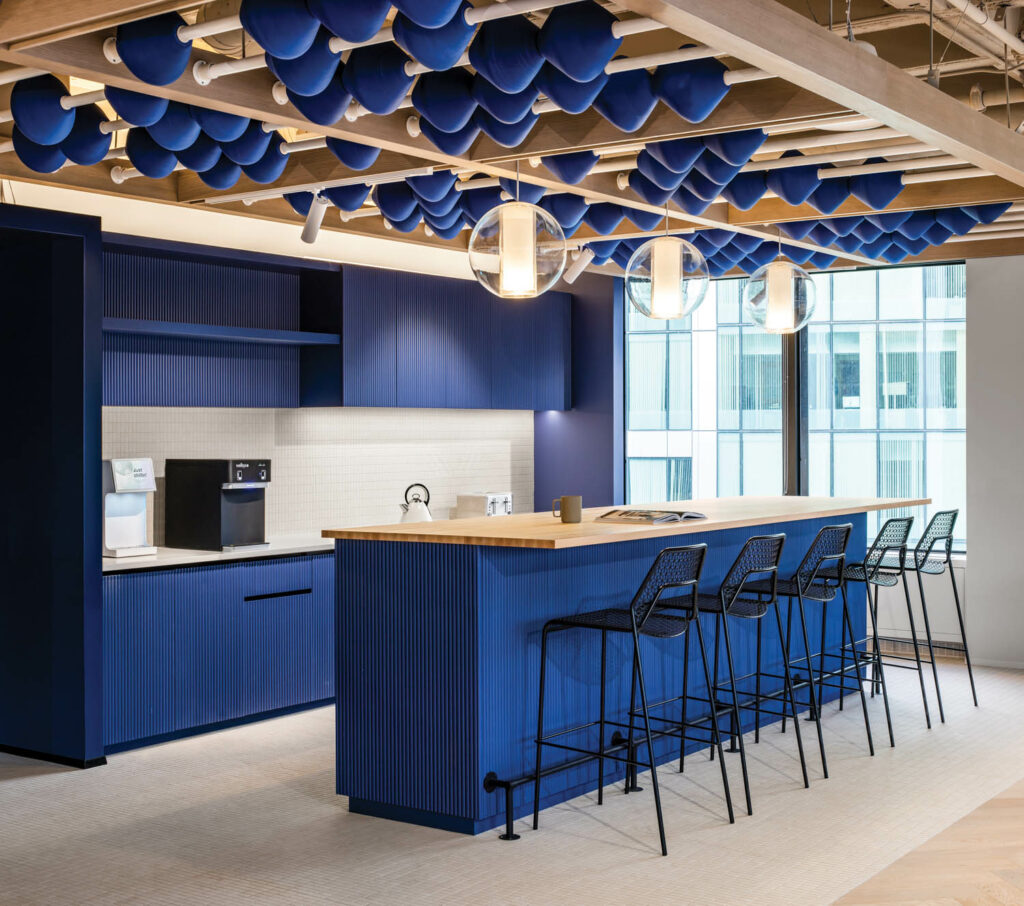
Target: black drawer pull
{"x": 280, "y": 594}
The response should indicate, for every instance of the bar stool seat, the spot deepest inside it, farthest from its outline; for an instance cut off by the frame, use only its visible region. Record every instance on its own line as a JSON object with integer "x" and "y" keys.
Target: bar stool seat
{"x": 749, "y": 608}
{"x": 931, "y": 566}
{"x": 857, "y": 572}
{"x": 789, "y": 588}
{"x": 659, "y": 626}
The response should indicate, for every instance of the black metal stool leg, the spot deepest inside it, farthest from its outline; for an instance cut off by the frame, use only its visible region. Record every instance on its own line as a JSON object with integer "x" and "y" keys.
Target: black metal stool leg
{"x": 878, "y": 674}
{"x": 815, "y": 702}
{"x": 842, "y": 653}
{"x": 821, "y": 661}
{"x": 789, "y": 620}
{"x": 848, "y": 626}
{"x": 917, "y": 652}
{"x": 792, "y": 698}
{"x": 650, "y": 743}
{"x": 712, "y": 691}
{"x": 631, "y": 784}
{"x": 735, "y": 710}
{"x": 686, "y": 681}
{"x": 931, "y": 647}
{"x": 600, "y": 745}
{"x": 757, "y": 686}
{"x": 716, "y": 736}
{"x": 540, "y": 724}
{"x": 963, "y": 634}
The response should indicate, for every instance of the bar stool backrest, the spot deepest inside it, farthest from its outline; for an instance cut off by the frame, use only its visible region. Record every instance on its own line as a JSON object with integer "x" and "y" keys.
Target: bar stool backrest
{"x": 939, "y": 529}
{"x": 827, "y": 552}
{"x": 759, "y": 557}
{"x": 891, "y": 538}
{"x": 674, "y": 567}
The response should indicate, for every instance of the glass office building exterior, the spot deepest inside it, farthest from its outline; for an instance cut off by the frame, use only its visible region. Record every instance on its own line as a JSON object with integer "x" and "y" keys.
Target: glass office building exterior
{"x": 884, "y": 384}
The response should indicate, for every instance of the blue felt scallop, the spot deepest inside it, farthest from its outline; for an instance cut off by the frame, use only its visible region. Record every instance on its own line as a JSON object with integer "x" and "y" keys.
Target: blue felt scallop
{"x": 841, "y": 226}
{"x": 911, "y": 246}
{"x": 355, "y": 21}
{"x": 132, "y": 107}
{"x": 627, "y": 99}
{"x": 714, "y": 168}
{"x": 300, "y": 202}
{"x": 85, "y": 144}
{"x": 649, "y": 191}
{"x": 571, "y": 167}
{"x": 689, "y": 202}
{"x": 395, "y": 200}
{"x": 477, "y": 202}
{"x": 376, "y": 77}
{"x": 794, "y": 185}
{"x": 956, "y": 220}
{"x": 850, "y": 243}
{"x": 604, "y": 217}
{"x": 443, "y": 221}
{"x": 445, "y": 98}
{"x": 578, "y": 39}
{"x": 877, "y": 190}
{"x": 746, "y": 243}
{"x": 697, "y": 183}
{"x": 40, "y": 158}
{"x": 433, "y": 187}
{"x": 176, "y": 129}
{"x": 745, "y": 190}
{"x": 570, "y": 95}
{"x": 717, "y": 268}
{"x": 436, "y": 48}
{"x": 347, "y": 198}
{"x": 830, "y": 194}
{"x": 798, "y": 229}
{"x": 692, "y": 89}
{"x": 821, "y": 260}
{"x": 735, "y": 147}
{"x": 310, "y": 72}
{"x": 622, "y": 255}
{"x": 821, "y": 235}
{"x": 707, "y": 249}
{"x": 408, "y": 224}
{"x": 566, "y": 208}
{"x": 643, "y": 220}
{"x": 456, "y": 142}
{"x": 894, "y": 254}
{"x": 717, "y": 237}
{"x": 505, "y": 53}
{"x": 765, "y": 252}
{"x": 507, "y": 135}
{"x": 603, "y": 250}
{"x": 201, "y": 155}
{"x": 443, "y": 229}
{"x": 250, "y": 146}
{"x": 987, "y": 213}
{"x": 283, "y": 28}
{"x": 504, "y": 107}
{"x": 269, "y": 167}
{"x": 151, "y": 50}
{"x": 220, "y": 126}
{"x": 917, "y": 224}
{"x": 887, "y": 221}
{"x": 876, "y": 247}
{"x": 525, "y": 191}
{"x": 442, "y": 207}
{"x": 352, "y": 154}
{"x": 149, "y": 158}
{"x": 679, "y": 154}
{"x": 35, "y": 106}
{"x": 657, "y": 172}
{"x": 429, "y": 13}
{"x": 327, "y": 107}
{"x": 936, "y": 234}
{"x": 867, "y": 231}
{"x": 796, "y": 254}
{"x": 222, "y": 175}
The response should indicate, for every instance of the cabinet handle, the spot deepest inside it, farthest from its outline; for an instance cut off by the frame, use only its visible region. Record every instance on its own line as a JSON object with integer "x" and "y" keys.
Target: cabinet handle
{"x": 280, "y": 594}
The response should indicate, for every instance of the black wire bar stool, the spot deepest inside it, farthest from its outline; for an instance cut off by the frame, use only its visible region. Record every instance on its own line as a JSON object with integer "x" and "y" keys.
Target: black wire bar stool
{"x": 749, "y": 591}
{"x": 676, "y": 569}
{"x": 818, "y": 578}
{"x": 939, "y": 531}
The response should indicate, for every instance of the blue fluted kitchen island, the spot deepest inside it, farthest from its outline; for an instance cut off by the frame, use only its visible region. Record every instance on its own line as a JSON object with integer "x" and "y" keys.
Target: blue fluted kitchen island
{"x": 438, "y": 644}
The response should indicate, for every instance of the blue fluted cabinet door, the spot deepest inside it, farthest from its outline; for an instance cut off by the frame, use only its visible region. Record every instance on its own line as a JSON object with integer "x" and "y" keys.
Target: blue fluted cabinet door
{"x": 530, "y": 344}
{"x": 369, "y": 340}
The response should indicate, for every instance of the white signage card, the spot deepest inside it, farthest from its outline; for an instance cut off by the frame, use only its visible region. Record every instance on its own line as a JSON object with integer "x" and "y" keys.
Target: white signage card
{"x": 133, "y": 475}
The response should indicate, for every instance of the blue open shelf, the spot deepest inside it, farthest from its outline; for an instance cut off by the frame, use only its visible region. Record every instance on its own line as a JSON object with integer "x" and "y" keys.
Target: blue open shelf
{"x": 218, "y": 332}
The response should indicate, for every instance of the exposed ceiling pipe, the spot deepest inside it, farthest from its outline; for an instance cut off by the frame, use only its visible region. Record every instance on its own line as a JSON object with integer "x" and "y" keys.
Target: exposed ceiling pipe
{"x": 981, "y": 18}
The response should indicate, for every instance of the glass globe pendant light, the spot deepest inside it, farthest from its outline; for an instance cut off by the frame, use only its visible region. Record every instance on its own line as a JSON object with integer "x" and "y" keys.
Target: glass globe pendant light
{"x": 779, "y": 297}
{"x": 666, "y": 277}
{"x": 517, "y": 249}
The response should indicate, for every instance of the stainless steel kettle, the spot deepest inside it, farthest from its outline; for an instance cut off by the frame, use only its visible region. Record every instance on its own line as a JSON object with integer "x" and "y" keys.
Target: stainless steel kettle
{"x": 415, "y": 508}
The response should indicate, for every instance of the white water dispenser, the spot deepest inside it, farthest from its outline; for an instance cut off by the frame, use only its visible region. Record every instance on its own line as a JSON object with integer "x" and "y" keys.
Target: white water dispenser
{"x": 127, "y": 484}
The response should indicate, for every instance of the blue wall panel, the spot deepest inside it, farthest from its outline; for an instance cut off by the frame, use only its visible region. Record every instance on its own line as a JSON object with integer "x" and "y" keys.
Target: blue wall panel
{"x": 369, "y": 341}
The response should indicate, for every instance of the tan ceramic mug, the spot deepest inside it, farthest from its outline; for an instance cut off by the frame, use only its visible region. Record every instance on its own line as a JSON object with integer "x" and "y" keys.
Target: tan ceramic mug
{"x": 570, "y": 508}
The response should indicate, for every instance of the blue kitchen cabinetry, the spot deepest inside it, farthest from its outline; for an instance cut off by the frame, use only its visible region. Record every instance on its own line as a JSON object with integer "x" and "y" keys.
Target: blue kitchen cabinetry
{"x": 420, "y": 341}
{"x": 194, "y": 648}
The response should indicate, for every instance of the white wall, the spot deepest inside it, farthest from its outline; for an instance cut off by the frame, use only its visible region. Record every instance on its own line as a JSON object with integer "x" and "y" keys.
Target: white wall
{"x": 338, "y": 467}
{"x": 995, "y": 458}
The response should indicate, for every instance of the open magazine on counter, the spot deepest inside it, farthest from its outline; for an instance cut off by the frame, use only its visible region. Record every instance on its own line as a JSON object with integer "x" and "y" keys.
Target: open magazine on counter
{"x": 648, "y": 517}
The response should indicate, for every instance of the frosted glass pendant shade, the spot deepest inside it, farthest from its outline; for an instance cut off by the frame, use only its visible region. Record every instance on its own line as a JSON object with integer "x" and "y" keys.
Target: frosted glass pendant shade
{"x": 779, "y": 297}
{"x": 517, "y": 250}
{"x": 666, "y": 278}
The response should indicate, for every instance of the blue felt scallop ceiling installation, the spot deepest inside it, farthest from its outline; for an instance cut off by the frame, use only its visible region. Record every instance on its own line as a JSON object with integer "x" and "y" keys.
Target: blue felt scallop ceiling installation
{"x": 151, "y": 49}
{"x": 567, "y": 209}
{"x": 649, "y": 191}
{"x": 352, "y": 154}
{"x": 222, "y": 175}
{"x": 375, "y": 75}
{"x": 571, "y": 167}
{"x": 735, "y": 147}
{"x": 570, "y": 95}
{"x": 704, "y": 188}
{"x": 443, "y": 206}
{"x": 311, "y": 72}
{"x": 283, "y": 28}
{"x": 716, "y": 169}
{"x": 693, "y": 89}
{"x": 395, "y": 200}
{"x": 132, "y": 107}
{"x": 794, "y": 185}
{"x": 449, "y": 231}
{"x": 35, "y": 107}
{"x": 444, "y": 221}
{"x": 679, "y": 155}
{"x": 348, "y": 198}
{"x": 300, "y": 202}
{"x": 505, "y": 53}
{"x": 355, "y": 21}
{"x": 445, "y": 98}
{"x": 877, "y": 190}
{"x": 409, "y": 223}
{"x": 85, "y": 144}
{"x": 429, "y": 13}
{"x": 436, "y": 48}
{"x": 176, "y": 129}
{"x": 477, "y": 202}
{"x": 269, "y": 167}
{"x": 889, "y": 221}
{"x": 457, "y": 142}
{"x": 745, "y": 189}
{"x": 508, "y": 135}
{"x": 40, "y": 158}
{"x": 327, "y": 107}
{"x": 221, "y": 127}
{"x": 604, "y": 217}
{"x": 578, "y": 39}
{"x": 830, "y": 194}
{"x": 250, "y": 146}
{"x": 627, "y": 99}
{"x": 522, "y": 191}
{"x": 956, "y": 220}
{"x": 504, "y": 107}
{"x": 201, "y": 155}
{"x": 689, "y": 202}
{"x": 149, "y": 158}
{"x": 986, "y": 213}
{"x": 657, "y": 172}
{"x": 432, "y": 187}
{"x": 917, "y": 224}
{"x": 643, "y": 220}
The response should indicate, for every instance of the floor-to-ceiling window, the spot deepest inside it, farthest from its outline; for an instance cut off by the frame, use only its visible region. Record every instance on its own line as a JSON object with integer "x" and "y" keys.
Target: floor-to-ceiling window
{"x": 885, "y": 391}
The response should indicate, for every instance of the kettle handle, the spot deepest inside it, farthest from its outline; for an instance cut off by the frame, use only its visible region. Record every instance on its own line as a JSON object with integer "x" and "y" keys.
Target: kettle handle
{"x": 426, "y": 493}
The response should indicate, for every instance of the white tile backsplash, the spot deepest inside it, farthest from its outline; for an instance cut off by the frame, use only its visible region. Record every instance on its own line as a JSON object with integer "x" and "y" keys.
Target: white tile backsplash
{"x": 337, "y": 467}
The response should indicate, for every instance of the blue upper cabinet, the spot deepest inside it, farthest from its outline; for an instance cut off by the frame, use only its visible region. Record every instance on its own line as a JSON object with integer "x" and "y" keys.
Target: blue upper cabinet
{"x": 433, "y": 342}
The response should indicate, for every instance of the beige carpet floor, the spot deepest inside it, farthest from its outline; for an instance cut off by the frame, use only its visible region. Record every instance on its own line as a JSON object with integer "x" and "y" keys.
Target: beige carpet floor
{"x": 249, "y": 816}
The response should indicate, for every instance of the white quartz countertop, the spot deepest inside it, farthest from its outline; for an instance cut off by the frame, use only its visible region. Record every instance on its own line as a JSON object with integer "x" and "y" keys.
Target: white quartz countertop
{"x": 167, "y": 557}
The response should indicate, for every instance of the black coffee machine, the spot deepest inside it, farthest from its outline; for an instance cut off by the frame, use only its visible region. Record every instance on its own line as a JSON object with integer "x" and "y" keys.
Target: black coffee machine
{"x": 215, "y": 504}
